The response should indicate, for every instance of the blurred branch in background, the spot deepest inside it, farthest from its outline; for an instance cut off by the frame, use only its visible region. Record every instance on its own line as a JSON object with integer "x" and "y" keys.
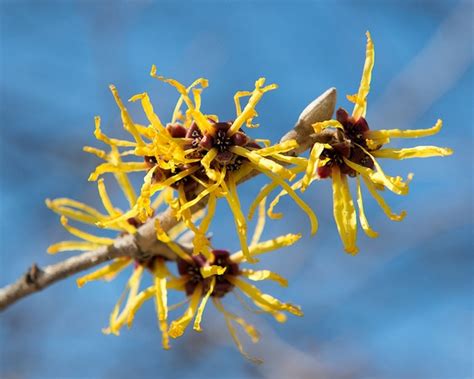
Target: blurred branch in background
{"x": 435, "y": 70}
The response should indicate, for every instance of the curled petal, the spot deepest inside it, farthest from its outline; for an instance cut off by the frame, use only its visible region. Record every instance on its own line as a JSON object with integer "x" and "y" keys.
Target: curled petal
{"x": 313, "y": 160}
{"x": 107, "y": 272}
{"x": 414, "y": 152}
{"x": 200, "y": 311}
{"x": 249, "y": 329}
{"x": 234, "y": 204}
{"x": 117, "y": 168}
{"x": 85, "y": 236}
{"x": 255, "y": 294}
{"x": 212, "y": 270}
{"x": 373, "y": 191}
{"x": 161, "y": 300}
{"x": 162, "y": 236}
{"x": 128, "y": 123}
{"x": 249, "y": 111}
{"x": 179, "y": 326}
{"x": 360, "y": 107}
{"x": 396, "y": 185}
{"x": 263, "y": 163}
{"x": 260, "y": 223}
{"x": 408, "y": 133}
{"x": 362, "y": 218}
{"x": 72, "y": 246}
{"x": 267, "y": 246}
{"x": 318, "y": 127}
{"x": 257, "y": 275}
{"x": 343, "y": 214}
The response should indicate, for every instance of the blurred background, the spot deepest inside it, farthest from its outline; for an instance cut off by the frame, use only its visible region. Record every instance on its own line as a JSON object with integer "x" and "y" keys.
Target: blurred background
{"x": 402, "y": 308}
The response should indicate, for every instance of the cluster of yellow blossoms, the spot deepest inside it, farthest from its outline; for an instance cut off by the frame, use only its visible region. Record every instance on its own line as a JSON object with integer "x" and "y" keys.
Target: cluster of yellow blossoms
{"x": 194, "y": 160}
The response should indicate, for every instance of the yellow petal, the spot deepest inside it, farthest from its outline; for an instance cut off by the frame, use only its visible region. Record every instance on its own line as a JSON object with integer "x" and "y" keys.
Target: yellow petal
{"x": 115, "y": 314}
{"x": 210, "y": 189}
{"x": 172, "y": 179}
{"x": 106, "y": 199}
{"x": 312, "y": 217}
{"x": 126, "y": 187}
{"x": 133, "y": 285}
{"x": 200, "y": 311}
{"x": 138, "y": 301}
{"x": 179, "y": 326}
{"x": 185, "y": 214}
{"x": 278, "y": 316}
{"x": 276, "y": 200}
{"x": 255, "y": 294}
{"x": 373, "y": 191}
{"x": 211, "y": 209}
{"x": 201, "y": 242}
{"x": 262, "y": 162}
{"x": 249, "y": 111}
{"x": 408, "y": 133}
{"x": 163, "y": 237}
{"x": 150, "y": 113}
{"x": 338, "y": 206}
{"x": 161, "y": 300}
{"x": 267, "y": 246}
{"x": 180, "y": 228}
{"x": 107, "y": 272}
{"x": 239, "y": 219}
{"x": 211, "y": 270}
{"x": 360, "y": 108}
{"x": 297, "y": 161}
{"x": 257, "y": 275}
{"x": 262, "y": 195}
{"x": 85, "y": 236}
{"x": 362, "y": 218}
{"x": 396, "y": 186}
{"x": 310, "y": 173}
{"x": 349, "y": 217}
{"x": 117, "y": 168}
{"x": 260, "y": 223}
{"x": 56, "y": 204}
{"x": 206, "y": 162}
{"x": 237, "y": 96}
{"x": 97, "y": 152}
{"x": 318, "y": 127}
{"x": 72, "y": 246}
{"x": 126, "y": 119}
{"x": 109, "y": 141}
{"x": 76, "y": 215}
{"x": 144, "y": 201}
{"x": 249, "y": 329}
{"x": 202, "y": 122}
{"x": 414, "y": 152}
{"x": 200, "y": 81}
{"x": 281, "y": 147}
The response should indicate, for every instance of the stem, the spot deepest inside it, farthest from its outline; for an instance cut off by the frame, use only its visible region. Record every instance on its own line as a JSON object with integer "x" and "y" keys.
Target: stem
{"x": 144, "y": 242}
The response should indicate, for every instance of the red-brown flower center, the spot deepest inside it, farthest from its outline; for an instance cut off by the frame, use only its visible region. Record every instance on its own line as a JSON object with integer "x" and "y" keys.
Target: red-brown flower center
{"x": 348, "y": 143}
{"x": 193, "y": 275}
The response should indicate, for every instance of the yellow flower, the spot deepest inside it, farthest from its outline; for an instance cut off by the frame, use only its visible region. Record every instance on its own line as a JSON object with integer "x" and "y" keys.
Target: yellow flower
{"x": 197, "y": 149}
{"x": 204, "y": 278}
{"x": 114, "y": 218}
{"x": 350, "y": 148}
{"x": 80, "y": 212}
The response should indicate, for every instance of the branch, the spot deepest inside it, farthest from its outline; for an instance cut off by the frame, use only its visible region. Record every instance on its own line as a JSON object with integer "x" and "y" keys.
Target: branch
{"x": 144, "y": 243}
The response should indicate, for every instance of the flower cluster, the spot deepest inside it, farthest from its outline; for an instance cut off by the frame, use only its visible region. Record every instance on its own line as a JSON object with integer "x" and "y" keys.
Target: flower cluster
{"x": 349, "y": 148}
{"x": 195, "y": 159}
